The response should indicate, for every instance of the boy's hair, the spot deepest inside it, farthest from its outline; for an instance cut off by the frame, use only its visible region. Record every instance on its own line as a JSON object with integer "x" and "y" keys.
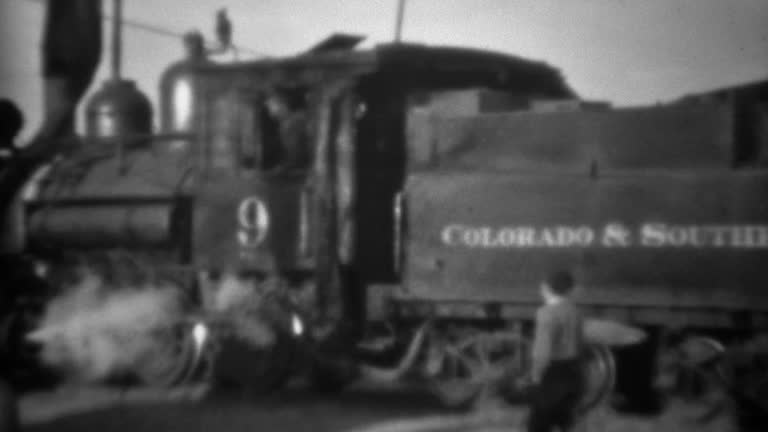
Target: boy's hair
{"x": 560, "y": 282}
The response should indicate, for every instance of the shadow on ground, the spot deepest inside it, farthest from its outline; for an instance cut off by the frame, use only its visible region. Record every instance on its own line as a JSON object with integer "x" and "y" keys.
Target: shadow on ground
{"x": 292, "y": 410}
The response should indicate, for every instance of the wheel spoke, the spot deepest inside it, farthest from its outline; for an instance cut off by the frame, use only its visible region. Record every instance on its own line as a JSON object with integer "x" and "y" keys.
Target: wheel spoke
{"x": 481, "y": 351}
{"x": 600, "y": 378}
{"x": 460, "y": 358}
{"x": 478, "y": 363}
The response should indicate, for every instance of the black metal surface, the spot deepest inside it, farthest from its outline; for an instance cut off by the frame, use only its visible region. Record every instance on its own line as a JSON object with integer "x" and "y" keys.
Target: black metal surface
{"x": 102, "y": 223}
{"x": 684, "y": 137}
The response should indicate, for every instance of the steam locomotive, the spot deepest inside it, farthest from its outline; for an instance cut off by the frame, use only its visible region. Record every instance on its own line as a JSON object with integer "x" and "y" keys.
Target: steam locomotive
{"x": 409, "y": 184}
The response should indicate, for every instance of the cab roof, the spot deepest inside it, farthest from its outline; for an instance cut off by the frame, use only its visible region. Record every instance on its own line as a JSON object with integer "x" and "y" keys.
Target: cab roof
{"x": 412, "y": 65}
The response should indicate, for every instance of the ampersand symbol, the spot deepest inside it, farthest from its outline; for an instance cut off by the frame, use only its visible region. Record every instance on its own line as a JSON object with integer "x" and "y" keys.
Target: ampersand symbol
{"x": 616, "y": 235}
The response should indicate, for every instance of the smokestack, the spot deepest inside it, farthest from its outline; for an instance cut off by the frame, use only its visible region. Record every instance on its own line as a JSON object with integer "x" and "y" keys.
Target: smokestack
{"x": 71, "y": 52}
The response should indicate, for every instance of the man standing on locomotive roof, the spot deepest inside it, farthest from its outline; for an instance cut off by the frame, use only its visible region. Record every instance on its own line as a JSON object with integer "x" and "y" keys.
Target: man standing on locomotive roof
{"x": 556, "y": 354}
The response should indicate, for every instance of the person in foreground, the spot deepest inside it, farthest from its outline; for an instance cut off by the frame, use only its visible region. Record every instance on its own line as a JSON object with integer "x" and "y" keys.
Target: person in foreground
{"x": 557, "y": 350}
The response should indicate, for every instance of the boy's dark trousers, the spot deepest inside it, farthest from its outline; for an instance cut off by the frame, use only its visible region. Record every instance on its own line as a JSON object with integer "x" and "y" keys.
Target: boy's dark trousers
{"x": 554, "y": 400}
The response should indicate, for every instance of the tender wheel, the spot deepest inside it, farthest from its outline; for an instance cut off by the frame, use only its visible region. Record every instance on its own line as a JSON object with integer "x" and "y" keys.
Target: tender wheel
{"x": 744, "y": 372}
{"x": 599, "y": 378}
{"x": 475, "y": 364}
{"x": 699, "y": 366}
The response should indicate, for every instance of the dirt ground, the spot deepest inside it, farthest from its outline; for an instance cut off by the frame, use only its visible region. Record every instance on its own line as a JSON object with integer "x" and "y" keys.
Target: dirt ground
{"x": 356, "y": 410}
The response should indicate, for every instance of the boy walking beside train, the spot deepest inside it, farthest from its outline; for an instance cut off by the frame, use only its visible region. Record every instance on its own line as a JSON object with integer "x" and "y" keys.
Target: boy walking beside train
{"x": 556, "y": 354}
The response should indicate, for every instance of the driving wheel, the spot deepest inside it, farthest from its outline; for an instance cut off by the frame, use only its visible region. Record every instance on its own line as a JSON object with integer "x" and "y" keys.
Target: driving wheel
{"x": 475, "y": 364}
{"x": 168, "y": 361}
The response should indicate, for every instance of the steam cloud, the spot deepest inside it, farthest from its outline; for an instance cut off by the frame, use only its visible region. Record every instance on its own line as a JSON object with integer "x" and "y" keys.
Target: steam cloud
{"x": 93, "y": 331}
{"x": 245, "y": 307}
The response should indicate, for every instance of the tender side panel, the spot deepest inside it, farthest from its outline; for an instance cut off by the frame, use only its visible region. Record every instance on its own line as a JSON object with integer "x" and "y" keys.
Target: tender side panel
{"x": 684, "y": 136}
{"x": 668, "y": 240}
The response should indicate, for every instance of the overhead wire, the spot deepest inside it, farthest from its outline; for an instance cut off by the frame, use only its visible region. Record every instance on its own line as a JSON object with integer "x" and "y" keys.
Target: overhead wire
{"x": 161, "y": 31}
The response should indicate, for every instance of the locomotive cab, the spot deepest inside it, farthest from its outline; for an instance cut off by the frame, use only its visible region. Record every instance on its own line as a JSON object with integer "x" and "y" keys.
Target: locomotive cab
{"x": 254, "y": 203}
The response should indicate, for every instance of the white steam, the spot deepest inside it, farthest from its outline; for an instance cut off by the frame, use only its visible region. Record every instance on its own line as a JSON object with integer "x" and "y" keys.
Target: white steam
{"x": 244, "y": 306}
{"x": 93, "y": 331}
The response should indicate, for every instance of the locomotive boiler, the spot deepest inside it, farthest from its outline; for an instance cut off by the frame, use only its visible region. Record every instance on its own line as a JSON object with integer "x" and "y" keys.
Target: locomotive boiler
{"x": 407, "y": 200}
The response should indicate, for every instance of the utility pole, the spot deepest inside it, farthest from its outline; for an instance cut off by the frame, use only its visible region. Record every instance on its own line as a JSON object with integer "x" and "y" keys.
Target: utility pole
{"x": 117, "y": 39}
{"x": 399, "y": 22}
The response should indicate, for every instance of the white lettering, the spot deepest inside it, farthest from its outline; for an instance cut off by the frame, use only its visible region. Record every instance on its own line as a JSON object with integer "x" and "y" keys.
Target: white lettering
{"x": 585, "y": 236}
{"x": 547, "y": 239}
{"x": 507, "y": 237}
{"x": 472, "y": 237}
{"x": 676, "y": 236}
{"x": 614, "y": 234}
{"x": 253, "y": 222}
{"x": 447, "y": 235}
{"x": 761, "y": 237}
{"x": 526, "y": 237}
{"x": 719, "y": 234}
{"x": 652, "y": 235}
{"x": 516, "y": 237}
